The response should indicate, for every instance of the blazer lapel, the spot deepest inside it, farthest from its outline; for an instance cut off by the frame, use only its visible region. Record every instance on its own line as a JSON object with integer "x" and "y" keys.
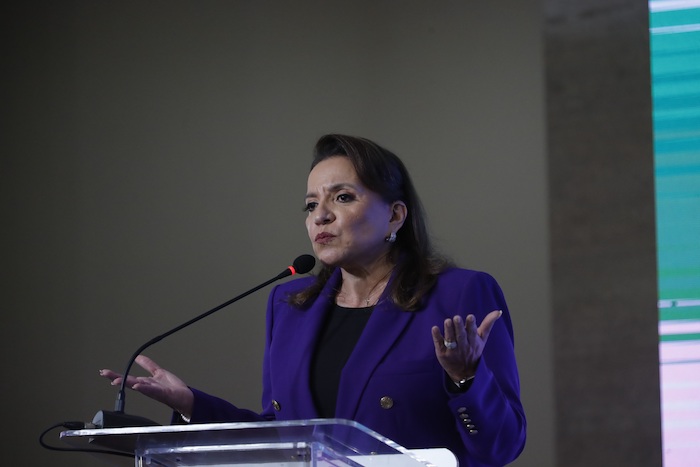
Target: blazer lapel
{"x": 384, "y": 327}
{"x": 306, "y": 345}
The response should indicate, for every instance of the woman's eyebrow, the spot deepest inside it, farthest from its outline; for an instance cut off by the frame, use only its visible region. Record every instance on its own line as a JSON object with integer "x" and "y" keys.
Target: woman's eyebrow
{"x": 332, "y": 189}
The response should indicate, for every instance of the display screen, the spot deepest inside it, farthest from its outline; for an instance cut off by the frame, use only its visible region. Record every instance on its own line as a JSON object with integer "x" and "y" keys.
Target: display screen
{"x": 675, "y": 66}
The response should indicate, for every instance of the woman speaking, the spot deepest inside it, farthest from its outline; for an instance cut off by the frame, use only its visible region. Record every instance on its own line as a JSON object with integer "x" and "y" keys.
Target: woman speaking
{"x": 388, "y": 333}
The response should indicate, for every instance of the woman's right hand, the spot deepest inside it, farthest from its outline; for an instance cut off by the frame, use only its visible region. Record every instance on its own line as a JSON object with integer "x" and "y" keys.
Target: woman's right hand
{"x": 161, "y": 386}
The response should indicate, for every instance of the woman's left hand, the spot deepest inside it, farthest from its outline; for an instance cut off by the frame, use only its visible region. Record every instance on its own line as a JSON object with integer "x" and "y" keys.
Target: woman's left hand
{"x": 460, "y": 360}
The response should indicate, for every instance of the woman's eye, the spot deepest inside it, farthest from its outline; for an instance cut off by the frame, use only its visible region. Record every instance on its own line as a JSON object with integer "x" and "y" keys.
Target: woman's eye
{"x": 310, "y": 206}
{"x": 345, "y": 197}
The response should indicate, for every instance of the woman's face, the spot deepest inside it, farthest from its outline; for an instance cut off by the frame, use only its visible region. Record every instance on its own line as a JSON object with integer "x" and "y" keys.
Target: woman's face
{"x": 347, "y": 223}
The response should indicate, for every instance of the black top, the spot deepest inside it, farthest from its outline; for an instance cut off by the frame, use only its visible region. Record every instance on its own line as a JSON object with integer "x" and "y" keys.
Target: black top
{"x": 340, "y": 333}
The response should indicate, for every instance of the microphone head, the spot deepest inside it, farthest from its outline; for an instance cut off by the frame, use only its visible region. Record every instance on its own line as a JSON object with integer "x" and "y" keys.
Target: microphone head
{"x": 304, "y": 264}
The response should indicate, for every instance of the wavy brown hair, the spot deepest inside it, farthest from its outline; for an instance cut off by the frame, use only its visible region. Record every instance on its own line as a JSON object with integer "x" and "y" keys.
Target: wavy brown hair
{"x": 417, "y": 265}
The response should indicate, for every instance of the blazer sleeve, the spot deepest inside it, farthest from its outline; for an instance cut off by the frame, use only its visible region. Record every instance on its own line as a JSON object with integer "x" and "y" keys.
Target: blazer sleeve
{"x": 489, "y": 415}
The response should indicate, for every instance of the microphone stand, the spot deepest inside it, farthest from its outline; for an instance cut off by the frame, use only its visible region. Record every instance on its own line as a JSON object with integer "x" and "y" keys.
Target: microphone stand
{"x": 117, "y": 418}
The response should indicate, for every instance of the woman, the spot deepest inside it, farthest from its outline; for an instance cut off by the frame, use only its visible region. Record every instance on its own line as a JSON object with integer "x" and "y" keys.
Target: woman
{"x": 354, "y": 341}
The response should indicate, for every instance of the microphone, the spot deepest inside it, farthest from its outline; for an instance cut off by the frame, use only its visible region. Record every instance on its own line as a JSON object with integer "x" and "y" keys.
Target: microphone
{"x": 117, "y": 418}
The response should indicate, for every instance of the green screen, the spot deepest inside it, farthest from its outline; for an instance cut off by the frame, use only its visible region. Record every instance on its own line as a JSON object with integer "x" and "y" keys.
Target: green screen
{"x": 676, "y": 91}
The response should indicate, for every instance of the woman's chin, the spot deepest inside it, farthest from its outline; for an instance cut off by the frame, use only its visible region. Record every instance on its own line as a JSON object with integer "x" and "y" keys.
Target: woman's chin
{"x": 327, "y": 258}
{"x": 328, "y": 262}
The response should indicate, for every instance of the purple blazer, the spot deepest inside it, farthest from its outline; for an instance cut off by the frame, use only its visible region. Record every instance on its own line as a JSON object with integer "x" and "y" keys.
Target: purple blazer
{"x": 392, "y": 383}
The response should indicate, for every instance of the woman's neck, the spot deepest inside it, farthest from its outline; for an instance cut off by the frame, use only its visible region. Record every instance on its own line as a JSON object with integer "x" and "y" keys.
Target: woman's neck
{"x": 363, "y": 289}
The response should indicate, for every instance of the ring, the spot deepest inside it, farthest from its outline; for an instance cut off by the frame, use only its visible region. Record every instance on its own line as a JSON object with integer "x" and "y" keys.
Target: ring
{"x": 449, "y": 344}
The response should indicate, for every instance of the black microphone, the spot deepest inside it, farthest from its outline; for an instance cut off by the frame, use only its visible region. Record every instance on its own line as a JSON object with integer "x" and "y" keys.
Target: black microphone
{"x": 117, "y": 418}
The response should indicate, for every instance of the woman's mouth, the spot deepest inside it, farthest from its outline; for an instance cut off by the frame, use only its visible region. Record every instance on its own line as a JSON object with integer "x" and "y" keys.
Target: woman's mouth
{"x": 324, "y": 237}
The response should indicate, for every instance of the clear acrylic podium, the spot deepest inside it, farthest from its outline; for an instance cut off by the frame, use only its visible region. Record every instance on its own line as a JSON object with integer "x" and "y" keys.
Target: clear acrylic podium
{"x": 317, "y": 443}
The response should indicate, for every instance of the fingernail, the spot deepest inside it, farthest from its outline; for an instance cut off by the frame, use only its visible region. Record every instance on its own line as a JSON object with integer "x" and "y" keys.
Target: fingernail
{"x": 500, "y": 313}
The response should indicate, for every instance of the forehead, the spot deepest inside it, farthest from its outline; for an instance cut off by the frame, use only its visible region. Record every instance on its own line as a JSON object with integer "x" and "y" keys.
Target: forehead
{"x": 333, "y": 171}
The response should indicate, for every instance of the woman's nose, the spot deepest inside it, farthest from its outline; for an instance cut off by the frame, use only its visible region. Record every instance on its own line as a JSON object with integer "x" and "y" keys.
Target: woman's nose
{"x": 322, "y": 215}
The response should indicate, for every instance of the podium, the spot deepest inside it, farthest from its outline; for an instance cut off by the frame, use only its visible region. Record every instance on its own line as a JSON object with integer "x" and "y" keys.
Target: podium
{"x": 317, "y": 443}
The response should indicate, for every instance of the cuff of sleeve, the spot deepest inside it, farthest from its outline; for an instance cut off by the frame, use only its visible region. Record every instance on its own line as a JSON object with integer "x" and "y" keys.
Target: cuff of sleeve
{"x": 458, "y": 387}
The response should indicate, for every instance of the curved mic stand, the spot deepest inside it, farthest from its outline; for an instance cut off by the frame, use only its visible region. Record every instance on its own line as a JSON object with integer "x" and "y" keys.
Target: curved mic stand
{"x": 117, "y": 418}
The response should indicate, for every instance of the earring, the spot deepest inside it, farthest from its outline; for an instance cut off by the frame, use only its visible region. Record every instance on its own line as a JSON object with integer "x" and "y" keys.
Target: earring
{"x": 391, "y": 238}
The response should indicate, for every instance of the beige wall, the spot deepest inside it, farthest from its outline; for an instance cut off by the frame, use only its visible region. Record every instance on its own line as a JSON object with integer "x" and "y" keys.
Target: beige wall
{"x": 601, "y": 179}
{"x": 155, "y": 160}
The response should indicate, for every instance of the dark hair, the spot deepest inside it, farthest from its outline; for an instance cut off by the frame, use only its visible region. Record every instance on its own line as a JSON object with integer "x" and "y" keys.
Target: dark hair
{"x": 380, "y": 170}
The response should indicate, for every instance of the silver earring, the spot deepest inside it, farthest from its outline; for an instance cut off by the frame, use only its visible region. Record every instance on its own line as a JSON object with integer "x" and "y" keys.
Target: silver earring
{"x": 391, "y": 238}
